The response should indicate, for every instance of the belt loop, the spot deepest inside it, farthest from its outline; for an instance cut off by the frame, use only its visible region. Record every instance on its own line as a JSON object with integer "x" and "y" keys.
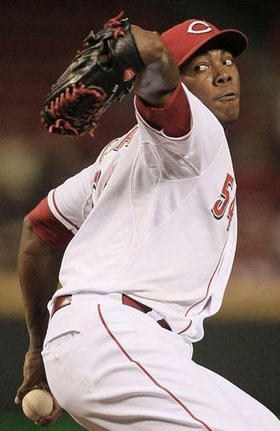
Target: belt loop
{"x": 154, "y": 315}
{"x": 126, "y": 300}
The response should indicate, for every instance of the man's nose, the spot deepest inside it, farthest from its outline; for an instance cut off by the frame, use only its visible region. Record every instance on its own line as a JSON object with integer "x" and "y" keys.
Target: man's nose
{"x": 222, "y": 77}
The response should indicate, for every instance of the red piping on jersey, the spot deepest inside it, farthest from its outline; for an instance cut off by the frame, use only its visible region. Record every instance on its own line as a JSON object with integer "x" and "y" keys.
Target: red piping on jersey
{"x": 110, "y": 173}
{"x": 184, "y": 330}
{"x": 207, "y": 291}
{"x": 148, "y": 374}
{"x": 56, "y": 207}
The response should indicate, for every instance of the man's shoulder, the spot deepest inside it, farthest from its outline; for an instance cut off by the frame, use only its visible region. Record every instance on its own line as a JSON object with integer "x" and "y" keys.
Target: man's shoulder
{"x": 117, "y": 145}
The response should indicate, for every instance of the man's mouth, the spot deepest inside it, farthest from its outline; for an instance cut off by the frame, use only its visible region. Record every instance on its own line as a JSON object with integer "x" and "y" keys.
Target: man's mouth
{"x": 228, "y": 96}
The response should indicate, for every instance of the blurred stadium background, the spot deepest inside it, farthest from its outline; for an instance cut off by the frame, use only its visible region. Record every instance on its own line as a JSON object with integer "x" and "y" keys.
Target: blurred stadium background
{"x": 38, "y": 38}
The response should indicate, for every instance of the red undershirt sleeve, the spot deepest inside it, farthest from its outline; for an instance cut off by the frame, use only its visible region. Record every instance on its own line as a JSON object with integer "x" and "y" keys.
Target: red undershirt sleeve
{"x": 47, "y": 227}
{"x": 174, "y": 117}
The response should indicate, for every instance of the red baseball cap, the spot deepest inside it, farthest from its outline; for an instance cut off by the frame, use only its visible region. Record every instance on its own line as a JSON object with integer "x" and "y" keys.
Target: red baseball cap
{"x": 184, "y": 39}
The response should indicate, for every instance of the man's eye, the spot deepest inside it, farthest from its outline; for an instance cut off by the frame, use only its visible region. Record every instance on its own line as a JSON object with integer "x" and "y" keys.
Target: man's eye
{"x": 228, "y": 62}
{"x": 200, "y": 68}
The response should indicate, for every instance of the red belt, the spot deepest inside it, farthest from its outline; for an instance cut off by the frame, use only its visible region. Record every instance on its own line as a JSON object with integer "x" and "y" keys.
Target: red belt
{"x": 59, "y": 302}
{"x": 62, "y": 301}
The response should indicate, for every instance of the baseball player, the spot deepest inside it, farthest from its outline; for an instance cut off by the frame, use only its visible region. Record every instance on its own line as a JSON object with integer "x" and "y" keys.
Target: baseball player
{"x": 143, "y": 241}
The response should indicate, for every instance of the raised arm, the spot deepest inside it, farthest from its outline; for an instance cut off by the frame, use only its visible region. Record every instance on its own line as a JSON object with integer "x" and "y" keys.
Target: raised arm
{"x": 106, "y": 68}
{"x": 161, "y": 75}
{"x": 160, "y": 99}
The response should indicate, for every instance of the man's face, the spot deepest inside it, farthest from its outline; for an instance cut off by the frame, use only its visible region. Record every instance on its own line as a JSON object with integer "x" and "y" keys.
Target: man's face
{"x": 213, "y": 77}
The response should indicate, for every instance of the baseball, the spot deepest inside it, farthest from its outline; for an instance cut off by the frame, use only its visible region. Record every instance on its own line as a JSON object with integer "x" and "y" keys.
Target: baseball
{"x": 37, "y": 404}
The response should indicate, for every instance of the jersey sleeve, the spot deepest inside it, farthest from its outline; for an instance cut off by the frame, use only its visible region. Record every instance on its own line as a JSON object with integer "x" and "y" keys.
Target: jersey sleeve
{"x": 72, "y": 201}
{"x": 189, "y": 154}
{"x": 173, "y": 118}
{"x": 47, "y": 227}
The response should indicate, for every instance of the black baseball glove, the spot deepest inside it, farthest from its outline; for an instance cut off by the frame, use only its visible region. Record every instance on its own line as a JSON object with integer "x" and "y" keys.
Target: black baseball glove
{"x": 102, "y": 72}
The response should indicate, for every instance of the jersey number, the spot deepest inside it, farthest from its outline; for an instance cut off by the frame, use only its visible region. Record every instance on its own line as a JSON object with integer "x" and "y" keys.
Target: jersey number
{"x": 221, "y": 204}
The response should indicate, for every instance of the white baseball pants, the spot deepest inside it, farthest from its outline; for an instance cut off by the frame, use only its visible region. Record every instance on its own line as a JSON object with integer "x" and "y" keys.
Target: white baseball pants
{"x": 113, "y": 368}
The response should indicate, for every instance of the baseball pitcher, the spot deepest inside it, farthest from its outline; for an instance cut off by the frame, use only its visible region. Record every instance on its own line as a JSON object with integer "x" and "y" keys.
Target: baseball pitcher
{"x": 142, "y": 241}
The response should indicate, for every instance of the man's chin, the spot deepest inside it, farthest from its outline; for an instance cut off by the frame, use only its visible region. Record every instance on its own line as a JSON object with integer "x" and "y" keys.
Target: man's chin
{"x": 228, "y": 122}
{"x": 227, "y": 111}
{"x": 227, "y": 118}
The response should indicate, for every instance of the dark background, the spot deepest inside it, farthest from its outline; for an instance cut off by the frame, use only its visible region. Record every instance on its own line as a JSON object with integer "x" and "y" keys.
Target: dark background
{"x": 38, "y": 39}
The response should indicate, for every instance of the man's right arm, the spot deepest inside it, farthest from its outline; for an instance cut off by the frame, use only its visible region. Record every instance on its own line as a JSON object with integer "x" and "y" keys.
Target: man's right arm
{"x": 46, "y": 232}
{"x": 38, "y": 268}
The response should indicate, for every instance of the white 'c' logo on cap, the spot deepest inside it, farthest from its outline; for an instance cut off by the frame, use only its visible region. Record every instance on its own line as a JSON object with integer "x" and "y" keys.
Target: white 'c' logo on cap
{"x": 206, "y": 28}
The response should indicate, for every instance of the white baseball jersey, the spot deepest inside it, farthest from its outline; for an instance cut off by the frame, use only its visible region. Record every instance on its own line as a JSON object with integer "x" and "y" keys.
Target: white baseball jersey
{"x": 154, "y": 218}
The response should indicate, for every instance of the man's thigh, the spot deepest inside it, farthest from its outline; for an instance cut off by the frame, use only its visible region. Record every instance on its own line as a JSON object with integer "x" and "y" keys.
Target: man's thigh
{"x": 257, "y": 415}
{"x": 123, "y": 371}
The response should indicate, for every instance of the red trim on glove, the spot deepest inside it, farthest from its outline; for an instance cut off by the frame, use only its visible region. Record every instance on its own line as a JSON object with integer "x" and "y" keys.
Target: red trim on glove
{"x": 174, "y": 117}
{"x": 47, "y": 227}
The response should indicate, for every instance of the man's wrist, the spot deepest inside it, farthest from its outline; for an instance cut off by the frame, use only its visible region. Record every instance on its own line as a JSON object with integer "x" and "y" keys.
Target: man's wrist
{"x": 35, "y": 347}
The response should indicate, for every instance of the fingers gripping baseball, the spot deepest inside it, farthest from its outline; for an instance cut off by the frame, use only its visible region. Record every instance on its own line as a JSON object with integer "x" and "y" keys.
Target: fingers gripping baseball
{"x": 40, "y": 406}
{"x": 36, "y": 405}
{"x": 33, "y": 374}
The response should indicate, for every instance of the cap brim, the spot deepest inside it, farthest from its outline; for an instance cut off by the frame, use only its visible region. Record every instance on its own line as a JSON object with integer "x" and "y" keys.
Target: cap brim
{"x": 233, "y": 41}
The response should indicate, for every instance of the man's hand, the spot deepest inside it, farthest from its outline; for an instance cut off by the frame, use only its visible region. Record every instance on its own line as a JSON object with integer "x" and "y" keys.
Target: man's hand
{"x": 33, "y": 374}
{"x": 34, "y": 377}
{"x": 103, "y": 71}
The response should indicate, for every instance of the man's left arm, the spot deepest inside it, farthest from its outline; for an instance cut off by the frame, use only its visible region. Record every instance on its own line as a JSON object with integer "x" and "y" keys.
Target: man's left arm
{"x": 155, "y": 83}
{"x": 161, "y": 99}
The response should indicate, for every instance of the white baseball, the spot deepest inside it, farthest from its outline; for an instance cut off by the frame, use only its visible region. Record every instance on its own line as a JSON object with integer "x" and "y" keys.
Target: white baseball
{"x": 37, "y": 404}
